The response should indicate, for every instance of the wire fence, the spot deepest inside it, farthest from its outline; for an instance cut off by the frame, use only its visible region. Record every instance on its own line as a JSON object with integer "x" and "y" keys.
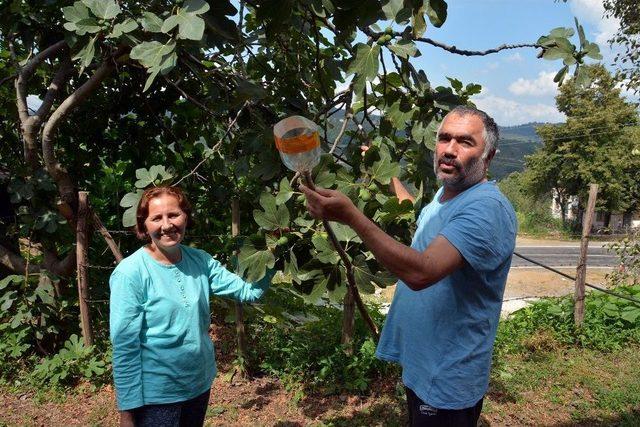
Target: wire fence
{"x": 606, "y": 291}
{"x": 531, "y": 260}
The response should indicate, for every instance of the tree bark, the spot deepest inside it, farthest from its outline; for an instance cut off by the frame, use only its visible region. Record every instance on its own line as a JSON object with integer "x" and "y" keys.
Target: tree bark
{"x": 241, "y": 334}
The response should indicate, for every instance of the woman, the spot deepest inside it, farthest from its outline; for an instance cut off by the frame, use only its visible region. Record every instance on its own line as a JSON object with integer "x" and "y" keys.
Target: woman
{"x": 163, "y": 358}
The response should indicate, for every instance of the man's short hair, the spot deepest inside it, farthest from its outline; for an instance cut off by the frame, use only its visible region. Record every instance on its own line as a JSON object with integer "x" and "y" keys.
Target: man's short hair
{"x": 490, "y": 133}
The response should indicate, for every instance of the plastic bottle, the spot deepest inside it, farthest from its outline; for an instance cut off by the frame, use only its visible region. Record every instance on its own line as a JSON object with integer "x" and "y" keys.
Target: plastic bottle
{"x": 298, "y": 142}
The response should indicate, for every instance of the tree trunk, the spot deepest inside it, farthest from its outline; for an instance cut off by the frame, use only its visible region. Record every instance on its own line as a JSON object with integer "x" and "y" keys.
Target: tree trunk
{"x": 241, "y": 334}
{"x": 348, "y": 321}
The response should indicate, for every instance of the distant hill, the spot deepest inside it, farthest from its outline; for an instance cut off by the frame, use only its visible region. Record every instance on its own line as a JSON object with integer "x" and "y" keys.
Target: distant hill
{"x": 515, "y": 143}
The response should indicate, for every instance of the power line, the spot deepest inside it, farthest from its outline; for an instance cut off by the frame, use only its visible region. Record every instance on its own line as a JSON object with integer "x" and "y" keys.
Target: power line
{"x": 624, "y": 125}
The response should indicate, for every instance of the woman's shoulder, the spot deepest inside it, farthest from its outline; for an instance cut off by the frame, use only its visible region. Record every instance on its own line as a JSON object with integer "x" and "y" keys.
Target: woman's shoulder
{"x": 130, "y": 265}
{"x": 195, "y": 254}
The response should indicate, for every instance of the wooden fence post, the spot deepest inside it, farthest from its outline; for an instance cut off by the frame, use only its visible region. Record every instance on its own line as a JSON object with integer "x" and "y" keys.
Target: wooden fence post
{"x": 578, "y": 308}
{"x": 240, "y": 330}
{"x": 81, "y": 259}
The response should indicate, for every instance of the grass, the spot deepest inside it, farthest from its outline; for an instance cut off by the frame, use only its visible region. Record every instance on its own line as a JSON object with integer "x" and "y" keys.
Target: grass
{"x": 566, "y": 386}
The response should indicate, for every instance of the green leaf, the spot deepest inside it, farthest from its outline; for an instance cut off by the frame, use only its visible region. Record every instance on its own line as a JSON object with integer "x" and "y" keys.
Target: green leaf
{"x": 273, "y": 217}
{"x": 630, "y": 314}
{"x": 151, "y": 22}
{"x": 9, "y": 279}
{"x": 103, "y": 9}
{"x": 418, "y": 23}
{"x": 144, "y": 178}
{"x": 593, "y": 51}
{"x": 383, "y": 170}
{"x": 150, "y": 79}
{"x": 196, "y": 7}
{"x": 561, "y": 32}
{"x": 365, "y": 280}
{"x": 75, "y": 13}
{"x": 151, "y": 54}
{"x": 84, "y": 26}
{"x": 391, "y": 8}
{"x": 437, "y": 12}
{"x": 318, "y": 290}
{"x": 559, "y": 77}
{"x": 129, "y": 217}
{"x": 285, "y": 192}
{"x": 393, "y": 210}
{"x": 404, "y": 49}
{"x": 364, "y": 65}
{"x": 123, "y": 28}
{"x": 86, "y": 54}
{"x": 253, "y": 263}
{"x": 344, "y": 233}
{"x": 325, "y": 179}
{"x": 583, "y": 39}
{"x": 160, "y": 171}
{"x": 170, "y": 23}
{"x": 190, "y": 25}
{"x": 131, "y": 199}
{"x": 398, "y": 116}
{"x": 326, "y": 253}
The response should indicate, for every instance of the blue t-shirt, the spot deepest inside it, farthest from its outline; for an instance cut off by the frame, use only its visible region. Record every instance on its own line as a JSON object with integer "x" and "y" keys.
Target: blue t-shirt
{"x": 159, "y": 325}
{"x": 443, "y": 335}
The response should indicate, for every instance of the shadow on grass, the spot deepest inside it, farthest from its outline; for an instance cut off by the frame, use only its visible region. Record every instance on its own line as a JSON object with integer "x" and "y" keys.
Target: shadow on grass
{"x": 264, "y": 393}
{"x": 499, "y": 392}
{"x": 390, "y": 415}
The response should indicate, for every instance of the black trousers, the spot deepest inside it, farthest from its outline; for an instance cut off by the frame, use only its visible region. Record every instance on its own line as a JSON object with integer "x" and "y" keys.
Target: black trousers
{"x": 424, "y": 415}
{"x": 189, "y": 413}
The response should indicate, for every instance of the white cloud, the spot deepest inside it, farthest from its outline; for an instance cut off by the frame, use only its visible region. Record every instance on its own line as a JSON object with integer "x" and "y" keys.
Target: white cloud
{"x": 541, "y": 86}
{"x": 592, "y": 12}
{"x": 516, "y": 57}
{"x": 507, "y": 112}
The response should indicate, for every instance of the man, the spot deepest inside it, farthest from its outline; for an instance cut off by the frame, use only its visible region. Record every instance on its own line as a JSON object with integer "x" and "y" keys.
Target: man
{"x": 443, "y": 319}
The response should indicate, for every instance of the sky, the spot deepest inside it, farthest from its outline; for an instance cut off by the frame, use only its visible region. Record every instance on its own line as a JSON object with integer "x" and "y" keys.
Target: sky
{"x": 517, "y": 87}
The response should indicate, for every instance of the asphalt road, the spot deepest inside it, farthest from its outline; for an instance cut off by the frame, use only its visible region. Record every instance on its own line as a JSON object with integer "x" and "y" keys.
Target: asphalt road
{"x": 564, "y": 256}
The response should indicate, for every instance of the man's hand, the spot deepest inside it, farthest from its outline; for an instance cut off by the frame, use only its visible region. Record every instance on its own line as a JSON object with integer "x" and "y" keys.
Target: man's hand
{"x": 329, "y": 204}
{"x": 126, "y": 419}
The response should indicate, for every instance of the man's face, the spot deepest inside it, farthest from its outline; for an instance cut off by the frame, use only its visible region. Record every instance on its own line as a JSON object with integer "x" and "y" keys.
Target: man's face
{"x": 458, "y": 161}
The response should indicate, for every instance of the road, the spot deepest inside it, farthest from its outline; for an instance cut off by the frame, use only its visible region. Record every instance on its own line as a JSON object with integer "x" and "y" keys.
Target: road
{"x": 564, "y": 255}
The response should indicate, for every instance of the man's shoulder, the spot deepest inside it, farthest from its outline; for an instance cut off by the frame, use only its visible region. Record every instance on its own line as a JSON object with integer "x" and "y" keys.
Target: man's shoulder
{"x": 489, "y": 194}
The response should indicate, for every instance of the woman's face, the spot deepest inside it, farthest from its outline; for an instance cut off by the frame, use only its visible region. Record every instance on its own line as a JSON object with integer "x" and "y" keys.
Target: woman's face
{"x": 166, "y": 222}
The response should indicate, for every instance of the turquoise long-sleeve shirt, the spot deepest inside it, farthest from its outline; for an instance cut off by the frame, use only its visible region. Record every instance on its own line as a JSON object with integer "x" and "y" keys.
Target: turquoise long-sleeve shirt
{"x": 159, "y": 323}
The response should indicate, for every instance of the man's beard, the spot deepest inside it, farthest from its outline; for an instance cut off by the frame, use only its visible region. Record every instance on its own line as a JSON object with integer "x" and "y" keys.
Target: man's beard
{"x": 467, "y": 176}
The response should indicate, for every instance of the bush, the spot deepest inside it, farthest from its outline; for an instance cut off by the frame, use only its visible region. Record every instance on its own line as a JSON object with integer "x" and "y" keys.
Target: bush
{"x": 310, "y": 352}
{"x": 73, "y": 363}
{"x": 609, "y": 323}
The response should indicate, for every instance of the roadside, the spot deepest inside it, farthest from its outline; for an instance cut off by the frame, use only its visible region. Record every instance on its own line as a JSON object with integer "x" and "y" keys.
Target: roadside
{"x": 527, "y": 284}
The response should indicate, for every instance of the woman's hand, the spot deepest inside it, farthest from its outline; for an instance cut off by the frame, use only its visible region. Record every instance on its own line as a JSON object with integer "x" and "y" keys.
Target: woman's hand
{"x": 126, "y": 419}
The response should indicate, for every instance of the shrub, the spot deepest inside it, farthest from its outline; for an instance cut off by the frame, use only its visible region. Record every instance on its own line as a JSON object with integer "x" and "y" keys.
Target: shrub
{"x": 310, "y": 352}
{"x": 73, "y": 363}
{"x": 609, "y": 323}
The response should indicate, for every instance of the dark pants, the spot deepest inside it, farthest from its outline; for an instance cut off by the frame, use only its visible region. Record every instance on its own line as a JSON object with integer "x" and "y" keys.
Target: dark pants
{"x": 423, "y": 415}
{"x": 181, "y": 414}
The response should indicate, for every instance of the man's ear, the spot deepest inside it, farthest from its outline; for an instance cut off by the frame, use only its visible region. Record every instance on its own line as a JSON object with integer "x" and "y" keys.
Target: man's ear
{"x": 490, "y": 156}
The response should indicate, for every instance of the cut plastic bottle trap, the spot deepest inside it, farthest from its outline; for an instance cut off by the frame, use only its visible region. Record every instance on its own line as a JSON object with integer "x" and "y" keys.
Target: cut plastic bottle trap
{"x": 298, "y": 142}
